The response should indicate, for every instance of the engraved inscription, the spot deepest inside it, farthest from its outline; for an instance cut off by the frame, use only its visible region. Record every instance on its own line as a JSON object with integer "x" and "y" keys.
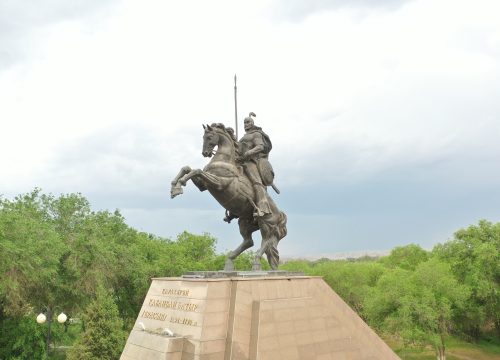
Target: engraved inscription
{"x": 173, "y": 319}
{"x": 183, "y": 321}
{"x": 174, "y": 305}
{"x": 163, "y": 303}
{"x": 177, "y": 304}
{"x": 187, "y": 307}
{"x": 154, "y": 315}
{"x": 175, "y": 292}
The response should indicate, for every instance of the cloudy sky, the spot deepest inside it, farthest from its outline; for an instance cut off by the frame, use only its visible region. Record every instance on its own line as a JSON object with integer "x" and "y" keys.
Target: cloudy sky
{"x": 384, "y": 114}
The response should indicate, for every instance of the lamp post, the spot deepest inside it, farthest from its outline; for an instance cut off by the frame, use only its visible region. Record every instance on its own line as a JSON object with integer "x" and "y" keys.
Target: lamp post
{"x": 42, "y": 318}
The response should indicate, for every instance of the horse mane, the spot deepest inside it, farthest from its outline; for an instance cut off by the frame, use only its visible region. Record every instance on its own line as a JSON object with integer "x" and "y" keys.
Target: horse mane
{"x": 228, "y": 131}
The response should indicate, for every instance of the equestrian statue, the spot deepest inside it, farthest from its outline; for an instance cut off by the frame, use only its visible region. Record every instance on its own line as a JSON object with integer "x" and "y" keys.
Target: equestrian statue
{"x": 237, "y": 176}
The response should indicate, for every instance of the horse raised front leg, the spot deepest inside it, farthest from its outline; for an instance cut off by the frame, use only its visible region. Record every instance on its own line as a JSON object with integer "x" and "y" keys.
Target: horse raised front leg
{"x": 199, "y": 175}
{"x": 210, "y": 181}
{"x": 176, "y": 188}
{"x": 203, "y": 180}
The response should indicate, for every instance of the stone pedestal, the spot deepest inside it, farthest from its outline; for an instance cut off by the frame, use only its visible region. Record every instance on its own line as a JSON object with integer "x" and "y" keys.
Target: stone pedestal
{"x": 249, "y": 315}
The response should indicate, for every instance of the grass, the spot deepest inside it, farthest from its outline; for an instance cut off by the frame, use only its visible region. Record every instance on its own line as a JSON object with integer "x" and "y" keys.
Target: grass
{"x": 478, "y": 351}
{"x": 456, "y": 349}
{"x": 63, "y": 339}
{"x": 58, "y": 354}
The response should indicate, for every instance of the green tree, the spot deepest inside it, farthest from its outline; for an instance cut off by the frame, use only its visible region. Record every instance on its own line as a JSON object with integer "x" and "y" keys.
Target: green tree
{"x": 474, "y": 256}
{"x": 22, "y": 338}
{"x": 405, "y": 257}
{"x": 419, "y": 305}
{"x": 297, "y": 265}
{"x": 31, "y": 249}
{"x": 103, "y": 337}
{"x": 56, "y": 253}
{"x": 352, "y": 281}
{"x": 197, "y": 251}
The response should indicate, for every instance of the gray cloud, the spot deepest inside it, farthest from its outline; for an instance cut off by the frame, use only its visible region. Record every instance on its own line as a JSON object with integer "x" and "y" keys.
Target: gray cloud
{"x": 297, "y": 10}
{"x": 394, "y": 208}
{"x": 20, "y": 19}
{"x": 130, "y": 169}
{"x": 126, "y": 167}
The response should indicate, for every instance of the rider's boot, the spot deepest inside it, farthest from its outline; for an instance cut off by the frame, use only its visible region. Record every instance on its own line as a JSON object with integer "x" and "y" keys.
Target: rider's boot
{"x": 263, "y": 206}
{"x": 229, "y": 216}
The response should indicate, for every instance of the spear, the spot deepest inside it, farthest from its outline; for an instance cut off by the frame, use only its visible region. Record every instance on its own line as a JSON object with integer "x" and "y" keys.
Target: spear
{"x": 235, "y": 109}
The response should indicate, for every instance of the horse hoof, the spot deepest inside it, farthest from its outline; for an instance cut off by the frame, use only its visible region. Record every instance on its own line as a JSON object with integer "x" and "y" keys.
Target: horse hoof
{"x": 176, "y": 190}
{"x": 229, "y": 265}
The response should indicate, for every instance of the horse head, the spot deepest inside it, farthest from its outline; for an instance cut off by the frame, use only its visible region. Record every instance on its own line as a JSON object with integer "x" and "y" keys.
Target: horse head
{"x": 218, "y": 135}
{"x": 210, "y": 140}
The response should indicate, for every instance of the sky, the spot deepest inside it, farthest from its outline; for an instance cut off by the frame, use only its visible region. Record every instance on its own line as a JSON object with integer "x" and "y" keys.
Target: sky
{"x": 384, "y": 114}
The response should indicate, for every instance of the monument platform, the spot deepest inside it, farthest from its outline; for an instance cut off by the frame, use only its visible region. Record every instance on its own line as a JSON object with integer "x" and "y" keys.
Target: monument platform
{"x": 273, "y": 315}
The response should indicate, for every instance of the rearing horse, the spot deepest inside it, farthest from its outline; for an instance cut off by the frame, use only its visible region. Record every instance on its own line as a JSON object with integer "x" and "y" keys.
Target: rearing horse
{"x": 228, "y": 184}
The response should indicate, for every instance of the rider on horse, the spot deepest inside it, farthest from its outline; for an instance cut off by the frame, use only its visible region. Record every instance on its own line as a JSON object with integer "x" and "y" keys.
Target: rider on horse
{"x": 253, "y": 150}
{"x": 237, "y": 177}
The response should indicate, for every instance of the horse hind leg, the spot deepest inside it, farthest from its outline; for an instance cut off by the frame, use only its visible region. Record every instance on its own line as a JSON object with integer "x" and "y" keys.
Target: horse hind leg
{"x": 247, "y": 227}
{"x": 270, "y": 248}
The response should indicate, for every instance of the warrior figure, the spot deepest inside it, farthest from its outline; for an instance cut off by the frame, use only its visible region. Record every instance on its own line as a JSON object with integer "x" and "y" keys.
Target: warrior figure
{"x": 237, "y": 176}
{"x": 253, "y": 149}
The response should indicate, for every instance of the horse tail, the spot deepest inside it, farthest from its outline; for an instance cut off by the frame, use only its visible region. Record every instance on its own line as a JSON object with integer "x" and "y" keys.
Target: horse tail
{"x": 273, "y": 256}
{"x": 279, "y": 232}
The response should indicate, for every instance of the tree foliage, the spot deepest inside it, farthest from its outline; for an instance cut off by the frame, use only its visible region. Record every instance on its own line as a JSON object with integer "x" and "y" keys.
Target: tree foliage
{"x": 22, "y": 338}
{"x": 421, "y": 296}
{"x": 56, "y": 253}
{"x": 417, "y": 305}
{"x": 405, "y": 257}
{"x": 103, "y": 337}
{"x": 474, "y": 256}
{"x": 31, "y": 250}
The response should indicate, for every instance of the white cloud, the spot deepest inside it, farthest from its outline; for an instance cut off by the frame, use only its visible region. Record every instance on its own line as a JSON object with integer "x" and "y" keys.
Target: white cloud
{"x": 22, "y": 21}
{"x": 111, "y": 99}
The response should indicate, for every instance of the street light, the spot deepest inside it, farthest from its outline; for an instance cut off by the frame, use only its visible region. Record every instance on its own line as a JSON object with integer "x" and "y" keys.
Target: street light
{"x": 61, "y": 318}
{"x": 42, "y": 318}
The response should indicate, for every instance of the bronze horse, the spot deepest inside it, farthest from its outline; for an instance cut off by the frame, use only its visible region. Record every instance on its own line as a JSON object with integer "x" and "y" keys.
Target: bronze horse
{"x": 224, "y": 178}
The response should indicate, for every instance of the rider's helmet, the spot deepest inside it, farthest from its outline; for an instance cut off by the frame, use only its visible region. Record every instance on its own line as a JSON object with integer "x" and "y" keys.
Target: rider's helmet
{"x": 249, "y": 122}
